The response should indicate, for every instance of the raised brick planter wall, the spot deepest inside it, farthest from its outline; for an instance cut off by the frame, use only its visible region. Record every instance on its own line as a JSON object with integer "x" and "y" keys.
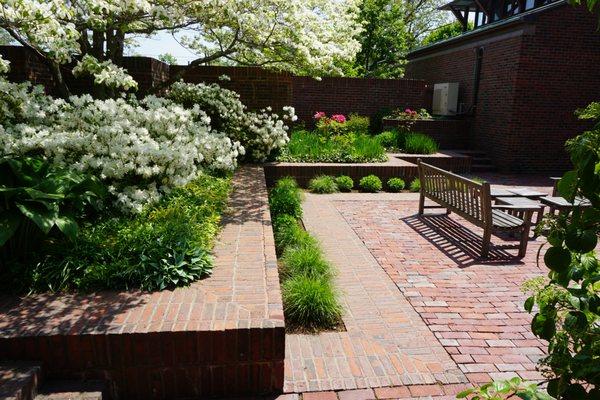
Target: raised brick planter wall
{"x": 451, "y": 134}
{"x": 399, "y": 165}
{"x": 222, "y": 336}
{"x": 535, "y": 72}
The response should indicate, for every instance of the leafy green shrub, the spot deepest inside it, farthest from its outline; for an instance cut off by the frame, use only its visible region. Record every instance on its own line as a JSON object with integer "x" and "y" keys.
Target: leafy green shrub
{"x": 306, "y": 260}
{"x": 305, "y": 146}
{"x": 286, "y": 198}
{"x": 388, "y": 139}
{"x": 344, "y": 183}
{"x": 370, "y": 183}
{"x": 418, "y": 143}
{"x": 166, "y": 245}
{"x": 357, "y": 124}
{"x": 36, "y": 197}
{"x": 322, "y": 184}
{"x": 395, "y": 184}
{"x": 288, "y": 233}
{"x": 310, "y": 302}
{"x": 415, "y": 185}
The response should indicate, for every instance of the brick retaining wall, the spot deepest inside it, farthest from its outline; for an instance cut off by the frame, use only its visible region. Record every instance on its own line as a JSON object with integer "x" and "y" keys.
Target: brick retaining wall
{"x": 222, "y": 336}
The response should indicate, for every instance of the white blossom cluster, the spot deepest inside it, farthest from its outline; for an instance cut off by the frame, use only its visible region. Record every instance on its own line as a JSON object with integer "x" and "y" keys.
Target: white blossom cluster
{"x": 105, "y": 73}
{"x": 260, "y": 133}
{"x": 141, "y": 149}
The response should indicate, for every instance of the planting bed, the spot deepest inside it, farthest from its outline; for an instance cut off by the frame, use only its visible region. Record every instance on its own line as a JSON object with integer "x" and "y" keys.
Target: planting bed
{"x": 221, "y": 336}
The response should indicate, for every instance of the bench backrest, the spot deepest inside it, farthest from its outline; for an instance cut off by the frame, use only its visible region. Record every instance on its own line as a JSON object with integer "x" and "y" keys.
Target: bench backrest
{"x": 469, "y": 199}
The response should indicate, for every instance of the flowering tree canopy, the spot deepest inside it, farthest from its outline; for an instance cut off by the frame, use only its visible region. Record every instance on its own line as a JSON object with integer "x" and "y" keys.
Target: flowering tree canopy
{"x": 295, "y": 35}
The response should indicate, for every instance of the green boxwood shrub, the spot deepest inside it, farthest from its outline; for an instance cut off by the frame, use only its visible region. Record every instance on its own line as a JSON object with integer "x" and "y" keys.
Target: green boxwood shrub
{"x": 357, "y": 124}
{"x": 418, "y": 143}
{"x": 310, "y": 302}
{"x": 415, "y": 185}
{"x": 322, "y": 184}
{"x": 395, "y": 184}
{"x": 344, "y": 183}
{"x": 370, "y": 183}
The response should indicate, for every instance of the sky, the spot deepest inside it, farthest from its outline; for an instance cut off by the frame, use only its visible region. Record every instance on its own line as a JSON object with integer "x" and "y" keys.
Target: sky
{"x": 160, "y": 44}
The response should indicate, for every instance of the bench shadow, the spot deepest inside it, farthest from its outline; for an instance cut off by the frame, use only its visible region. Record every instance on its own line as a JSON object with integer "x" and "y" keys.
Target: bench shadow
{"x": 458, "y": 242}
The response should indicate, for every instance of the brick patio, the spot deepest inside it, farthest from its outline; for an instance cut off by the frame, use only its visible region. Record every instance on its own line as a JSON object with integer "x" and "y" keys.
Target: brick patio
{"x": 414, "y": 290}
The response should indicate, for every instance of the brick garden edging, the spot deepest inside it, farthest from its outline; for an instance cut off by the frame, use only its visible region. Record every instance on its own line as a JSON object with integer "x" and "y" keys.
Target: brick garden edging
{"x": 398, "y": 165}
{"x": 221, "y": 336}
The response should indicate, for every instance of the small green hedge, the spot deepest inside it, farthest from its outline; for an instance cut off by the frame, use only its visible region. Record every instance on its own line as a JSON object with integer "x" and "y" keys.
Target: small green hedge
{"x": 309, "y": 296}
{"x": 323, "y": 184}
{"x": 415, "y": 185}
{"x": 344, "y": 183}
{"x": 395, "y": 185}
{"x": 370, "y": 183}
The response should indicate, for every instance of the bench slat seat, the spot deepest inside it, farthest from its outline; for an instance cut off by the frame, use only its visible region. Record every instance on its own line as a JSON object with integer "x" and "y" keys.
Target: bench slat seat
{"x": 472, "y": 201}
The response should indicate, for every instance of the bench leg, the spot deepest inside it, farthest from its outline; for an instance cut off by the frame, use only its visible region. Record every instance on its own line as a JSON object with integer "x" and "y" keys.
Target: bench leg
{"x": 421, "y": 203}
{"x": 525, "y": 234}
{"x": 487, "y": 238}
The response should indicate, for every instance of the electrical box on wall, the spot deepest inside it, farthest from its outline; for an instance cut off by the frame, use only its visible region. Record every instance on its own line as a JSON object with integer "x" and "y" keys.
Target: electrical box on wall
{"x": 445, "y": 98}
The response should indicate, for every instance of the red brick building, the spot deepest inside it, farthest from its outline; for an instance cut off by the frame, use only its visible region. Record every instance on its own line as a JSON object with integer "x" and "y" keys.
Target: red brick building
{"x": 521, "y": 77}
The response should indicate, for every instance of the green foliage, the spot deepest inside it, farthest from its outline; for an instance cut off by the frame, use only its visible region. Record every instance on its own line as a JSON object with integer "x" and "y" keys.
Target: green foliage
{"x": 167, "y": 245}
{"x": 388, "y": 139}
{"x": 370, "y": 183}
{"x": 395, "y": 184}
{"x": 307, "y": 146}
{"x": 501, "y": 390}
{"x": 344, "y": 183}
{"x": 36, "y": 197}
{"x": 323, "y": 184}
{"x": 415, "y": 185}
{"x": 355, "y": 124}
{"x": 418, "y": 143}
{"x": 305, "y": 259}
{"x": 310, "y": 302}
{"x": 383, "y": 40}
{"x": 288, "y": 233}
{"x": 445, "y": 32}
{"x": 309, "y": 298}
{"x": 168, "y": 58}
{"x": 286, "y": 198}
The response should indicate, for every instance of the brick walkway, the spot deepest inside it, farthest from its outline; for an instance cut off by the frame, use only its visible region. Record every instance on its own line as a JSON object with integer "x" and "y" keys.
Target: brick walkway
{"x": 411, "y": 287}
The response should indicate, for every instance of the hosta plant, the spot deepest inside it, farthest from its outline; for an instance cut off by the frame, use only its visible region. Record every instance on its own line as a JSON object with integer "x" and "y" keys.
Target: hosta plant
{"x": 37, "y": 197}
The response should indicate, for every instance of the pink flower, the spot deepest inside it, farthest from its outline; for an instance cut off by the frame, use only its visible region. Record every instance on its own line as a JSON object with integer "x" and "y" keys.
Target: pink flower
{"x": 319, "y": 115}
{"x": 338, "y": 118}
{"x": 408, "y": 111}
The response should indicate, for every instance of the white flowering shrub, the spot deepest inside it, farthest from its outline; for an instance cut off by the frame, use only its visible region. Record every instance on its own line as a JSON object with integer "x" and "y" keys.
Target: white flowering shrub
{"x": 140, "y": 149}
{"x": 260, "y": 133}
{"x": 105, "y": 73}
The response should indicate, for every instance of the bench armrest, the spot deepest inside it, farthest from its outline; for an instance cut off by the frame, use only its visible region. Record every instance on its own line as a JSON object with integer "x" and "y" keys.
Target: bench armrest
{"x": 515, "y": 208}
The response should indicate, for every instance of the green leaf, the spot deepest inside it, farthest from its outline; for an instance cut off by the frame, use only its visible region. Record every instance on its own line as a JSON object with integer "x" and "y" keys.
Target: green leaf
{"x": 68, "y": 226}
{"x": 40, "y": 215}
{"x": 501, "y": 386}
{"x": 9, "y": 223}
{"x": 529, "y": 303}
{"x": 567, "y": 186}
{"x": 575, "y": 320}
{"x": 465, "y": 393}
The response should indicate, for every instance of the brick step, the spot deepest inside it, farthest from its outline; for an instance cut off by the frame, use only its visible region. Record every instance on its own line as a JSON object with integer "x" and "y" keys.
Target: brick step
{"x": 72, "y": 390}
{"x": 19, "y": 380}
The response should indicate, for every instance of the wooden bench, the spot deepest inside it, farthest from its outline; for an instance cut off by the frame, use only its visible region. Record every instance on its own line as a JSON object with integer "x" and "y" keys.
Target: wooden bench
{"x": 473, "y": 202}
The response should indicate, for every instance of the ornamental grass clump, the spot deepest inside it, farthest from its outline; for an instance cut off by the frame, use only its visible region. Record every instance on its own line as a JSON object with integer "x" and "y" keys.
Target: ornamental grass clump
{"x": 309, "y": 296}
{"x": 370, "y": 184}
{"x": 311, "y": 303}
{"x": 323, "y": 184}
{"x": 344, "y": 183}
{"x": 415, "y": 185}
{"x": 395, "y": 185}
{"x": 418, "y": 143}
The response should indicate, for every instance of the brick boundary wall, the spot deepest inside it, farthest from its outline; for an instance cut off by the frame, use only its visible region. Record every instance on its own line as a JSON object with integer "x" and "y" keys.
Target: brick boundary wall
{"x": 536, "y": 71}
{"x": 222, "y": 336}
{"x": 451, "y": 134}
